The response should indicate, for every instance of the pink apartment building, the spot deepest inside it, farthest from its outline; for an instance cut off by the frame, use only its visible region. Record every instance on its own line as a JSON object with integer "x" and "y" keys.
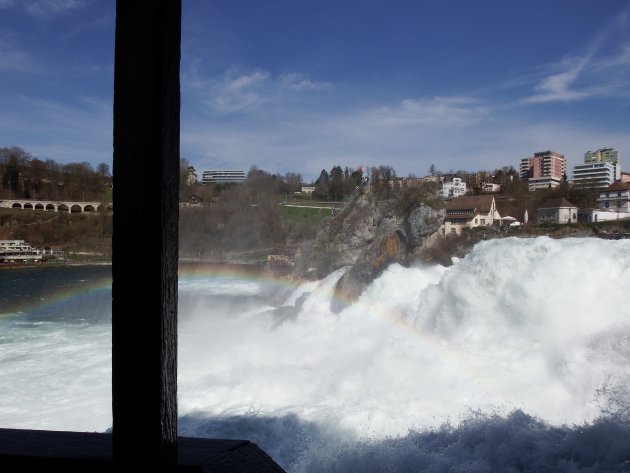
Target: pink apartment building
{"x": 543, "y": 170}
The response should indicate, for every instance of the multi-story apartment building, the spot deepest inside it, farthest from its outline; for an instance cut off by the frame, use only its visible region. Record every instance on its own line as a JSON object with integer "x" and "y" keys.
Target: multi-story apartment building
{"x": 543, "y": 170}
{"x": 455, "y": 188}
{"x": 217, "y": 177}
{"x": 605, "y": 155}
{"x": 597, "y": 175}
{"x": 600, "y": 169}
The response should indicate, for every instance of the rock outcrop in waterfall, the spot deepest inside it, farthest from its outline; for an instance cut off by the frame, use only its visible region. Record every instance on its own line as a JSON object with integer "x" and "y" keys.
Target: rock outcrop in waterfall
{"x": 369, "y": 235}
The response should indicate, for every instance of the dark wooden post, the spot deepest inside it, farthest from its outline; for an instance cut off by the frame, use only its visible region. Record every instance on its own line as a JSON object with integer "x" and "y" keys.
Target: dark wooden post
{"x": 144, "y": 270}
{"x": 145, "y": 240}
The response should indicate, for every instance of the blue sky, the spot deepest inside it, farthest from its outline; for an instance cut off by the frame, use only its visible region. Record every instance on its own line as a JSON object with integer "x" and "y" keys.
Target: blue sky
{"x": 301, "y": 86}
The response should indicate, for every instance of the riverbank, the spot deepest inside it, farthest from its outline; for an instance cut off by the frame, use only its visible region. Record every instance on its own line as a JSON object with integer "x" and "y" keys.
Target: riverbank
{"x": 440, "y": 252}
{"x": 187, "y": 268}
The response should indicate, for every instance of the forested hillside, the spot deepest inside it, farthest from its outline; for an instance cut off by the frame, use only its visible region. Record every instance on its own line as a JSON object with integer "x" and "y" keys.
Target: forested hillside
{"x": 23, "y": 176}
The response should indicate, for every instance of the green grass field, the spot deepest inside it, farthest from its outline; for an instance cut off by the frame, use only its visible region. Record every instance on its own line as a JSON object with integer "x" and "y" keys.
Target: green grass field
{"x": 301, "y": 214}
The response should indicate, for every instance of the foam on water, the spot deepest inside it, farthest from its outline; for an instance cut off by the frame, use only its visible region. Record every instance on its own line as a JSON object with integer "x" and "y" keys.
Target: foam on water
{"x": 517, "y": 354}
{"x": 517, "y": 324}
{"x": 55, "y": 377}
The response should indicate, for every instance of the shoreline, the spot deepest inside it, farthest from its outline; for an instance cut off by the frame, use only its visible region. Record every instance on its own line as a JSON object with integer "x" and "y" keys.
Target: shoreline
{"x": 186, "y": 265}
{"x": 257, "y": 267}
{"x": 46, "y": 264}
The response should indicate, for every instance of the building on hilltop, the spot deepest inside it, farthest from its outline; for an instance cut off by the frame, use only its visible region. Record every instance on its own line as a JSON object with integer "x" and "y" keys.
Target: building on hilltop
{"x": 616, "y": 197}
{"x": 544, "y": 170}
{"x": 558, "y": 210}
{"x": 600, "y": 169}
{"x": 490, "y": 187}
{"x": 473, "y": 180}
{"x": 193, "y": 200}
{"x": 469, "y": 212}
{"x": 597, "y": 175}
{"x": 223, "y": 177}
{"x": 191, "y": 176}
{"x": 605, "y": 155}
{"x": 455, "y": 188}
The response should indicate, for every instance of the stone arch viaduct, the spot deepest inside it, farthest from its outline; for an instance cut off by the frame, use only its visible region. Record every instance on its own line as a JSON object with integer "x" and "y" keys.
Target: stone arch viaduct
{"x": 56, "y": 206}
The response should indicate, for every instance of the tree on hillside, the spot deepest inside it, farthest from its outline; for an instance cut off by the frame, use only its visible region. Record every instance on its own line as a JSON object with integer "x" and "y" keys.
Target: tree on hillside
{"x": 294, "y": 182}
{"x": 12, "y": 178}
{"x": 322, "y": 186}
{"x": 103, "y": 170}
{"x": 14, "y": 162}
{"x": 356, "y": 177}
{"x": 336, "y": 190}
{"x": 411, "y": 197}
{"x": 25, "y": 176}
{"x": 81, "y": 182}
{"x": 381, "y": 177}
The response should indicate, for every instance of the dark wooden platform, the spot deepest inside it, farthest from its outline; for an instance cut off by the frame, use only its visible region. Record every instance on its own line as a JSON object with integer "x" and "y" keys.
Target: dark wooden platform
{"x": 31, "y": 450}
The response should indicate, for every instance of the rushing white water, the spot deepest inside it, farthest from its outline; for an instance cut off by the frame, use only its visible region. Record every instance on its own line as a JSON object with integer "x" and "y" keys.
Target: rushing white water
{"x": 539, "y": 325}
{"x": 523, "y": 343}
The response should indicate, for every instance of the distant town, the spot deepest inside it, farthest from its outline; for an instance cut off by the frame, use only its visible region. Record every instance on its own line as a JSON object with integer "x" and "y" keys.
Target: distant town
{"x": 470, "y": 198}
{"x": 536, "y": 192}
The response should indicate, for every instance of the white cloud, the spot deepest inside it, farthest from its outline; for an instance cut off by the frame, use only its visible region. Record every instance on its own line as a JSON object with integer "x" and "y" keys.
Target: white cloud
{"x": 45, "y": 8}
{"x": 460, "y": 132}
{"x": 244, "y": 92}
{"x": 245, "y": 82}
{"x": 240, "y": 92}
{"x": 451, "y": 132}
{"x": 63, "y": 132}
{"x": 305, "y": 140}
{"x": 230, "y": 93}
{"x": 14, "y": 59}
{"x": 596, "y": 73}
{"x": 437, "y": 112}
{"x": 300, "y": 83}
{"x": 557, "y": 87}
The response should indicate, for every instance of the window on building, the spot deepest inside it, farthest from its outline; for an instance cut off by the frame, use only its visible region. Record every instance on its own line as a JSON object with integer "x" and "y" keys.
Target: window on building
{"x": 476, "y": 221}
{"x": 607, "y": 204}
{"x": 483, "y": 221}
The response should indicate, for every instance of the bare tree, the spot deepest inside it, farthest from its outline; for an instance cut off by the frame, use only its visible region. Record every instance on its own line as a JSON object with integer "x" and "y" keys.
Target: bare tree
{"x": 294, "y": 181}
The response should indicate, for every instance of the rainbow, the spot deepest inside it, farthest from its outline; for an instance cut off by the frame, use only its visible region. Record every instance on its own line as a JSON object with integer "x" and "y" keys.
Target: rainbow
{"x": 236, "y": 272}
{"x": 81, "y": 294}
{"x": 435, "y": 344}
{"x": 59, "y": 298}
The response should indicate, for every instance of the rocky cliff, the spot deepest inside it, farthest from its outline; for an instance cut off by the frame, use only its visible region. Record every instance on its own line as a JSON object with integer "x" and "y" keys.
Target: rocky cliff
{"x": 368, "y": 235}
